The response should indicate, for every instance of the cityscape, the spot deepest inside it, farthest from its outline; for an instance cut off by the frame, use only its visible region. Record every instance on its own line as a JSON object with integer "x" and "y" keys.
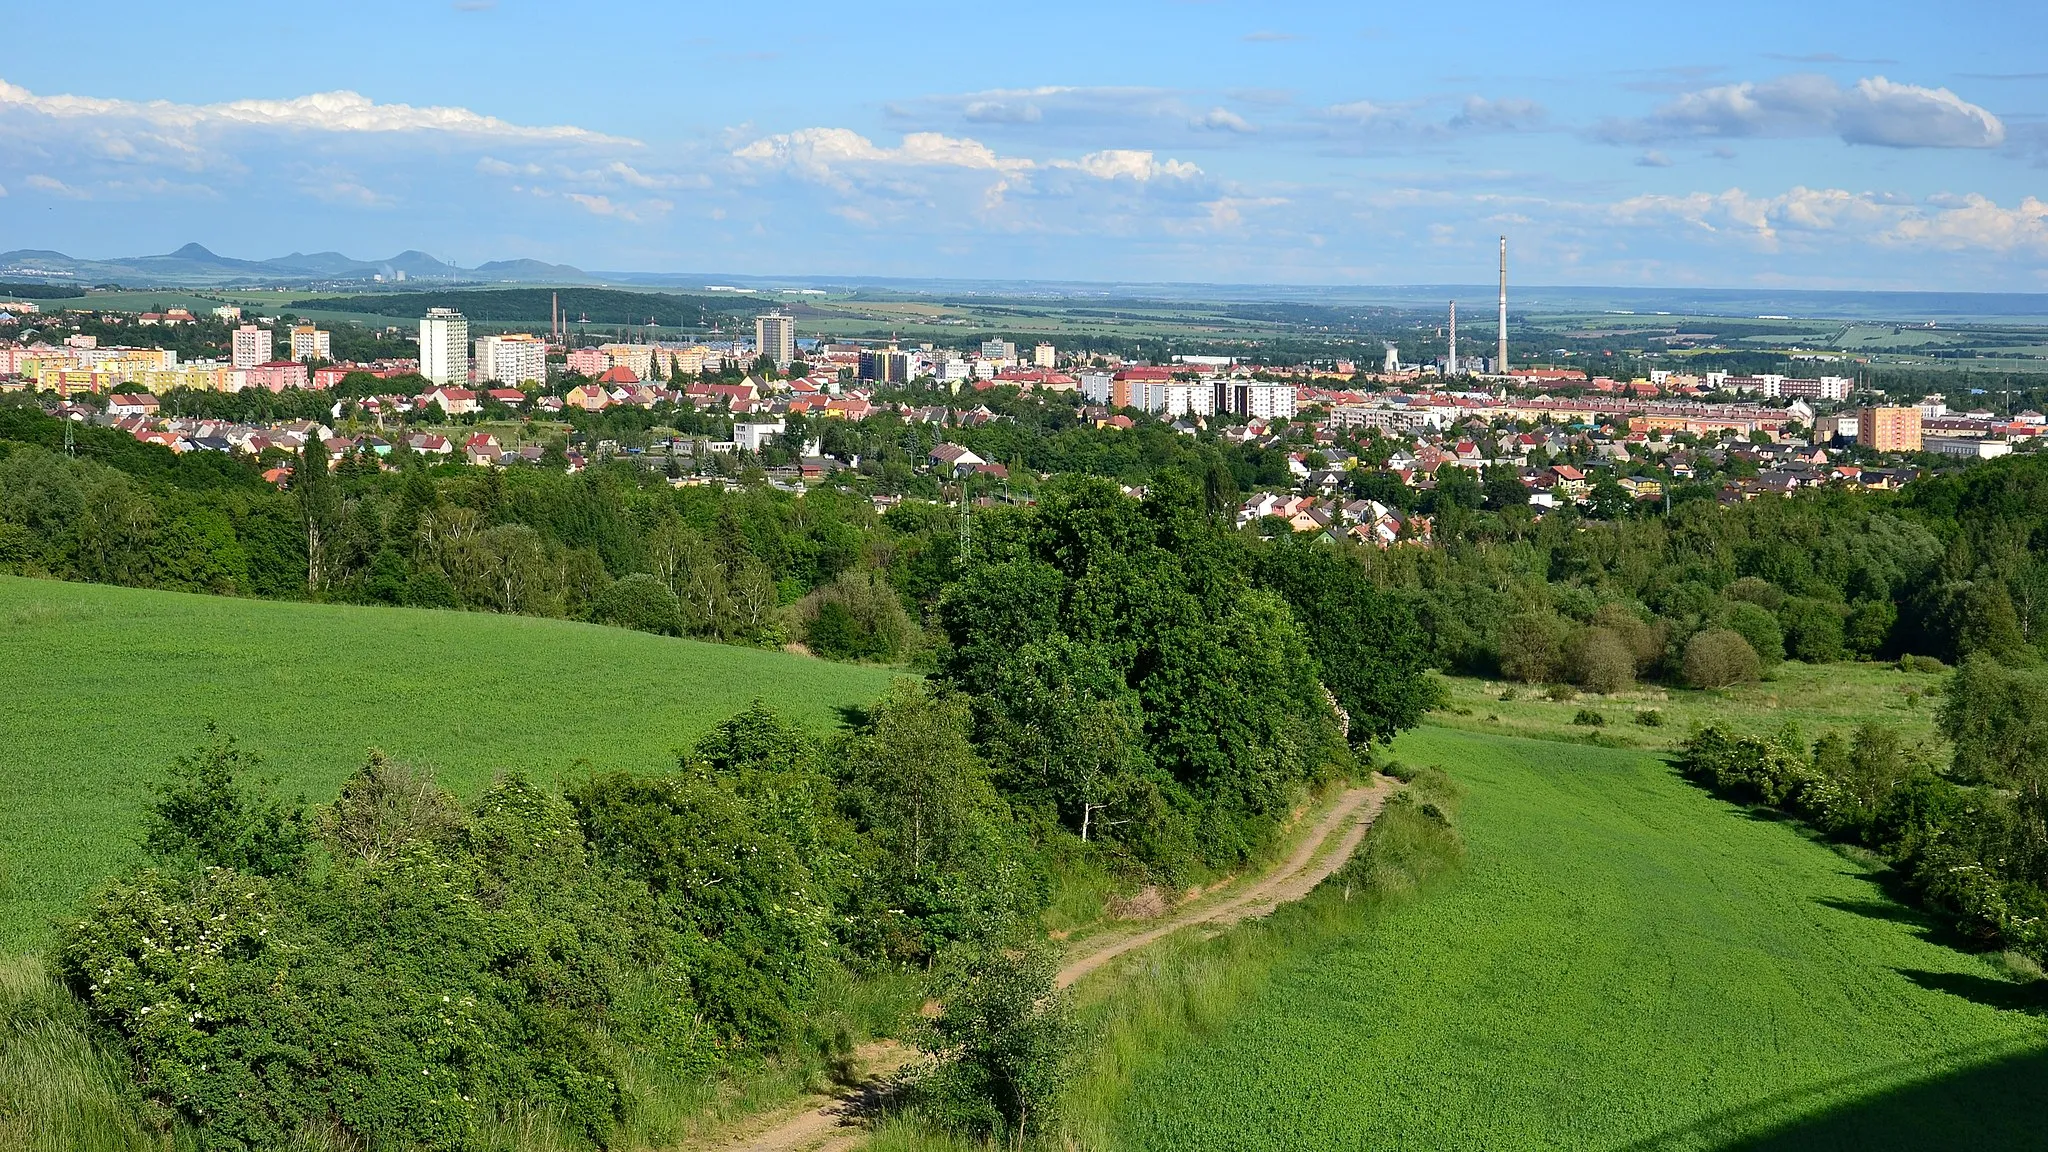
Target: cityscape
{"x": 1179, "y": 576}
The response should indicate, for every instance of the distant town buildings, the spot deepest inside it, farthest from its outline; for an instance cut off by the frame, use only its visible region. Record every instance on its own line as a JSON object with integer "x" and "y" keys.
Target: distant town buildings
{"x": 252, "y": 346}
{"x": 775, "y": 337}
{"x": 1889, "y": 429}
{"x": 310, "y": 343}
{"x": 444, "y": 346}
{"x": 516, "y": 358}
{"x": 1045, "y": 356}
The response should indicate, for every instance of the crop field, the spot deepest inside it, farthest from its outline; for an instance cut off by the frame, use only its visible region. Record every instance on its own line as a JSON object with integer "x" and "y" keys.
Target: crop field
{"x": 104, "y": 686}
{"x": 1816, "y": 698}
{"x": 1624, "y": 963}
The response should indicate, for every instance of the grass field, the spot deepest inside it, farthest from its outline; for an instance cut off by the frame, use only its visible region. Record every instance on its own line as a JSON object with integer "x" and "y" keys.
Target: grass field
{"x": 1815, "y": 697}
{"x": 105, "y": 685}
{"x": 1624, "y": 963}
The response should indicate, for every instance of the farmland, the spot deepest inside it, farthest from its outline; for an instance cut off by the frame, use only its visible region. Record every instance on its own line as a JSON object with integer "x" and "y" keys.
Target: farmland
{"x": 1624, "y": 963}
{"x": 105, "y": 685}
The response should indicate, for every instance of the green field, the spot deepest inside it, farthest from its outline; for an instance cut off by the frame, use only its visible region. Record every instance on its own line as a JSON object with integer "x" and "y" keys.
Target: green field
{"x": 1815, "y": 698}
{"x": 105, "y": 685}
{"x": 1625, "y": 963}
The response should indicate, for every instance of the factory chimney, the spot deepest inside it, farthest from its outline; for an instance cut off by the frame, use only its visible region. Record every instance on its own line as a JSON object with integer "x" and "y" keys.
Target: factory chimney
{"x": 1500, "y": 358}
{"x": 1451, "y": 361}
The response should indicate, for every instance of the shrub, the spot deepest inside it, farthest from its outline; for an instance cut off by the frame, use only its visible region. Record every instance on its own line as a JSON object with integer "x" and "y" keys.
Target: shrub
{"x": 1928, "y": 664}
{"x": 1650, "y": 718}
{"x": 1761, "y": 629}
{"x": 1718, "y": 658}
{"x": 1813, "y": 630}
{"x": 856, "y": 617}
{"x": 1532, "y": 647}
{"x": 1587, "y": 718}
{"x": 1004, "y": 1044}
{"x": 1645, "y": 640}
{"x": 1602, "y": 661}
{"x": 1561, "y": 693}
{"x": 639, "y": 601}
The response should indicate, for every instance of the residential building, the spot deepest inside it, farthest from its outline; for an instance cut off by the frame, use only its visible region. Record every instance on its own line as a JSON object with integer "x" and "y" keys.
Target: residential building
{"x": 588, "y": 361}
{"x": 1889, "y": 429}
{"x": 752, "y": 436}
{"x": 1255, "y": 401}
{"x": 310, "y": 343}
{"x": 775, "y": 336}
{"x": 1044, "y": 356}
{"x": 638, "y": 357}
{"x": 232, "y": 313}
{"x": 252, "y": 346}
{"x": 1967, "y": 447}
{"x": 1001, "y": 351}
{"x": 444, "y": 346}
{"x": 515, "y": 358}
{"x": 885, "y": 366}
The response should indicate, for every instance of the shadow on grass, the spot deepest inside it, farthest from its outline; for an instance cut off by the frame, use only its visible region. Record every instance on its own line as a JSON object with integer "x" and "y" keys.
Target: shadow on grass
{"x": 1989, "y": 991}
{"x": 2000, "y": 1103}
{"x": 1888, "y": 910}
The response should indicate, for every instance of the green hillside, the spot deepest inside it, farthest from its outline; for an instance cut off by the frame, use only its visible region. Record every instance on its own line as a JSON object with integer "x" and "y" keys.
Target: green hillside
{"x": 1625, "y": 963}
{"x": 105, "y": 685}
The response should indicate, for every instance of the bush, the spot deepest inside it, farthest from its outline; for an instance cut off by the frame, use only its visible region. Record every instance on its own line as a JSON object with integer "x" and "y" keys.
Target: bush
{"x": 1813, "y": 630}
{"x": 1650, "y": 718}
{"x": 1532, "y": 647}
{"x": 639, "y": 601}
{"x": 1927, "y": 664}
{"x": 856, "y": 617}
{"x": 1561, "y": 693}
{"x": 1004, "y": 1044}
{"x": 1718, "y": 658}
{"x": 1756, "y": 625}
{"x": 1587, "y": 718}
{"x": 1645, "y": 640}
{"x": 1602, "y": 661}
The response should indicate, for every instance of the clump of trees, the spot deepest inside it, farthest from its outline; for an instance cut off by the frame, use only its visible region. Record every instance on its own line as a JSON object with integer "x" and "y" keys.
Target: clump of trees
{"x": 1967, "y": 836}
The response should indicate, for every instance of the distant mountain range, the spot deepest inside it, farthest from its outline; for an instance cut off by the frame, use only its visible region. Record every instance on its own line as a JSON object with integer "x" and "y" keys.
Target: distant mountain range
{"x": 196, "y": 266}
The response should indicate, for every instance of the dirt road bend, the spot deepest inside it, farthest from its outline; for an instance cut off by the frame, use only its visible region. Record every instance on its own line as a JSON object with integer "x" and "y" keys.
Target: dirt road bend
{"x": 825, "y": 1123}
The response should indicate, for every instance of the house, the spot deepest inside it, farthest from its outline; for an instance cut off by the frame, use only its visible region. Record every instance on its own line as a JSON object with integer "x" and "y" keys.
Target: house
{"x": 510, "y": 397}
{"x": 428, "y": 444}
{"x": 453, "y": 401}
{"x": 482, "y": 448}
{"x": 586, "y": 397}
{"x": 131, "y": 404}
{"x": 1568, "y": 482}
{"x": 955, "y": 459}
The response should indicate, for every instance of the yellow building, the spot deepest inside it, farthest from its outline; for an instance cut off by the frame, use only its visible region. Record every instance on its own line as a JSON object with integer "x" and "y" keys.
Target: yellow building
{"x": 1889, "y": 429}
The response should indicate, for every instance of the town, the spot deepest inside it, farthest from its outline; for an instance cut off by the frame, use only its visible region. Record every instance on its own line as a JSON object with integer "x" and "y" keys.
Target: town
{"x": 1361, "y": 453}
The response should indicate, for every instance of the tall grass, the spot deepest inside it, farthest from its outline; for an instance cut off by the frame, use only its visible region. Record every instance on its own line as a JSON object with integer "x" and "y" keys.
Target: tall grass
{"x": 1184, "y": 987}
{"x": 57, "y": 1093}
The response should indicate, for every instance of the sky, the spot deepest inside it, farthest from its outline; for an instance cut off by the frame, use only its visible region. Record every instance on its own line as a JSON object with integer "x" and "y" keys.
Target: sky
{"x": 1809, "y": 145}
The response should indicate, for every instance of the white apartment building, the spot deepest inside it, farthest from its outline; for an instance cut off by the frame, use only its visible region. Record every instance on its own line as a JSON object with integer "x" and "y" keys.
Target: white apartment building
{"x": 1045, "y": 356}
{"x": 310, "y": 343}
{"x": 253, "y": 346}
{"x": 444, "y": 347}
{"x": 1000, "y": 350}
{"x": 517, "y": 358}
{"x": 1172, "y": 399}
{"x": 775, "y": 336}
{"x": 1255, "y": 401}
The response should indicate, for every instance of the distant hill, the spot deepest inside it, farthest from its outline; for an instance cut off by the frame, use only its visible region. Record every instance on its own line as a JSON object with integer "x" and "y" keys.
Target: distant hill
{"x": 607, "y": 306}
{"x": 195, "y": 266}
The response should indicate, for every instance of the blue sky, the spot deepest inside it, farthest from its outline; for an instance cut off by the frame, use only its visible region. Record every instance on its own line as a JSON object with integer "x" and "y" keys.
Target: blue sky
{"x": 1800, "y": 145}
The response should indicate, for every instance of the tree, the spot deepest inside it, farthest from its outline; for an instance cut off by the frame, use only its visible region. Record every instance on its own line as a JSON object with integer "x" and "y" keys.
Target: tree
{"x": 1532, "y": 647}
{"x": 319, "y": 509}
{"x": 1602, "y": 661}
{"x": 1759, "y": 628}
{"x": 205, "y": 814}
{"x": 1719, "y": 657}
{"x": 639, "y": 601}
{"x": 1003, "y": 1041}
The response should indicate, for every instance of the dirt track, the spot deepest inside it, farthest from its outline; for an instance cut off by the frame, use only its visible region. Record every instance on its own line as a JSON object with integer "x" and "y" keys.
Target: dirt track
{"x": 823, "y": 1124}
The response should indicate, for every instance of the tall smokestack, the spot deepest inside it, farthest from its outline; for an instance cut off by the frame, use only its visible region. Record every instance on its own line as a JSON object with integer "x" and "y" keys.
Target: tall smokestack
{"x": 1451, "y": 361}
{"x": 1500, "y": 356}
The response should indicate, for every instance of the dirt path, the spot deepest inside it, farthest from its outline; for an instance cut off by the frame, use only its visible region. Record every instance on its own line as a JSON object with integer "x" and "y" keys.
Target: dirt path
{"x": 824, "y": 1123}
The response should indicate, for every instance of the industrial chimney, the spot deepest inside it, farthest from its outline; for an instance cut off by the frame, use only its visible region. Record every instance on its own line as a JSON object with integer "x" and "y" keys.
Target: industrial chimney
{"x": 1451, "y": 361}
{"x": 1500, "y": 358}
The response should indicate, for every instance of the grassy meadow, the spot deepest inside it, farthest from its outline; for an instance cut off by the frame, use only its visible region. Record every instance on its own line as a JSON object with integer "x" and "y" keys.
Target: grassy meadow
{"x": 105, "y": 685}
{"x": 1815, "y": 697}
{"x": 1624, "y": 962}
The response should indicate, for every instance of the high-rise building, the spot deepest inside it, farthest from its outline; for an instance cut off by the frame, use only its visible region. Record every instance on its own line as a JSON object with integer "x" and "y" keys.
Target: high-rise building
{"x": 775, "y": 335}
{"x": 885, "y": 366}
{"x": 253, "y": 346}
{"x": 1045, "y": 356}
{"x": 516, "y": 358}
{"x": 444, "y": 347}
{"x": 1889, "y": 429}
{"x": 1000, "y": 350}
{"x": 310, "y": 343}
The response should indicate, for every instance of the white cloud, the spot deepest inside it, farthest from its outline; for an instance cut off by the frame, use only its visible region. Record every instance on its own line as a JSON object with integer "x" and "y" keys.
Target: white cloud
{"x": 1946, "y": 223}
{"x": 1875, "y": 111}
{"x": 52, "y": 185}
{"x": 335, "y": 112}
{"x": 1002, "y": 111}
{"x": 1507, "y": 115}
{"x": 1222, "y": 120}
{"x": 1132, "y": 164}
